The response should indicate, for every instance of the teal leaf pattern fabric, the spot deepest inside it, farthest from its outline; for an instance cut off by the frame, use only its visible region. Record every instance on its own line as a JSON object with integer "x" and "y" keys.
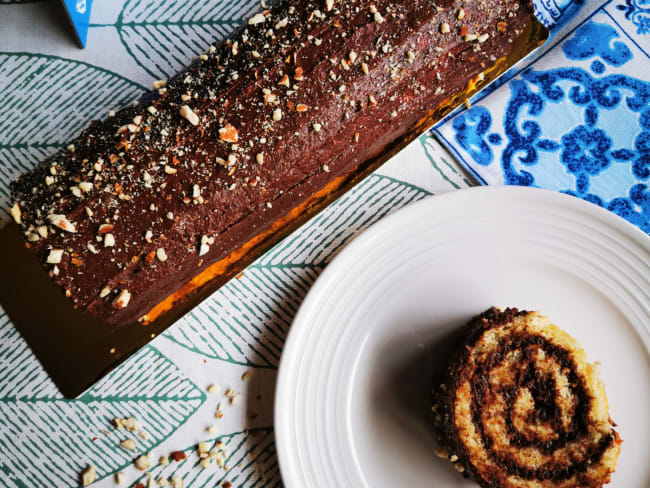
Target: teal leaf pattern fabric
{"x": 45, "y": 438}
{"x": 49, "y": 91}
{"x": 165, "y": 35}
{"x": 250, "y": 459}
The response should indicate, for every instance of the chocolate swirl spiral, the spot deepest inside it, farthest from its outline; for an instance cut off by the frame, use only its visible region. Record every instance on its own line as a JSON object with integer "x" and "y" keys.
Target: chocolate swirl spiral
{"x": 523, "y": 407}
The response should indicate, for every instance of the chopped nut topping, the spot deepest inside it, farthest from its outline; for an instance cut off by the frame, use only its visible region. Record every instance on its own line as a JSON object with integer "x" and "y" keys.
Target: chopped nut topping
{"x": 284, "y": 81}
{"x": 205, "y": 463}
{"x": 461, "y": 14}
{"x": 106, "y": 228}
{"x": 212, "y": 430}
{"x": 164, "y": 460}
{"x": 170, "y": 215}
{"x": 301, "y": 108}
{"x": 444, "y": 28}
{"x": 329, "y": 4}
{"x": 470, "y": 37}
{"x": 62, "y": 223}
{"x": 378, "y": 18}
{"x": 128, "y": 444}
{"x": 257, "y": 19}
{"x": 152, "y": 110}
{"x": 372, "y": 100}
{"x": 55, "y": 256}
{"x": 161, "y": 254}
{"x": 298, "y": 75}
{"x": 91, "y": 247}
{"x": 316, "y": 127}
{"x": 228, "y": 133}
{"x": 259, "y": 158}
{"x": 159, "y": 84}
{"x": 177, "y": 482}
{"x": 109, "y": 240}
{"x": 16, "y": 213}
{"x": 282, "y": 23}
{"x": 143, "y": 462}
{"x": 42, "y": 231}
{"x": 170, "y": 170}
{"x": 213, "y": 389}
{"x": 148, "y": 235}
{"x": 364, "y": 68}
{"x": 122, "y": 301}
{"x": 85, "y": 186}
{"x": 178, "y": 456}
{"x": 88, "y": 476}
{"x": 483, "y": 37}
{"x": 204, "y": 446}
{"x": 246, "y": 374}
{"x": 187, "y": 113}
{"x": 277, "y": 114}
{"x": 104, "y": 293}
{"x": 326, "y": 168}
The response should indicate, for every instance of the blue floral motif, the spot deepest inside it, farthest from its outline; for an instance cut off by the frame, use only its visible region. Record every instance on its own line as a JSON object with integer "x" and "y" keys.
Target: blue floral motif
{"x": 593, "y": 39}
{"x": 470, "y": 128}
{"x": 637, "y": 12}
{"x": 585, "y": 152}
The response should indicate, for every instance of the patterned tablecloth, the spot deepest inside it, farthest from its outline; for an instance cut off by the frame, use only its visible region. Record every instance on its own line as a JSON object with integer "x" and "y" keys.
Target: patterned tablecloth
{"x": 49, "y": 90}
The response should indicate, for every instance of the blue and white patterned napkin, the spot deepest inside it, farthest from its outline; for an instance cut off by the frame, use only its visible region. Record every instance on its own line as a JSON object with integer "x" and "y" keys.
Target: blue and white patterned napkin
{"x": 574, "y": 118}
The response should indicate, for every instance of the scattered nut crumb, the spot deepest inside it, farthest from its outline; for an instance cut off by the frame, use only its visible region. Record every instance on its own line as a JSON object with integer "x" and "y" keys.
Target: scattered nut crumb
{"x": 143, "y": 462}
{"x": 88, "y": 476}
{"x": 128, "y": 444}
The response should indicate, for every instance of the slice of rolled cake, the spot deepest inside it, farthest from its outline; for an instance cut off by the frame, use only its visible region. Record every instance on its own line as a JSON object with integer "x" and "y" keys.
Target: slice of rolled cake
{"x": 522, "y": 407}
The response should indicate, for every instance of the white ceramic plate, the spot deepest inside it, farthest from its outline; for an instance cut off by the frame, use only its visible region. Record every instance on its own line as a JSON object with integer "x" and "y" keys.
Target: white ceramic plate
{"x": 353, "y": 398}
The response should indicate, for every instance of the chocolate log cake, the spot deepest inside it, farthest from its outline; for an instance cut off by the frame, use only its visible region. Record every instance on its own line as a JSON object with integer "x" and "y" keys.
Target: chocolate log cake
{"x": 142, "y": 202}
{"x": 522, "y": 407}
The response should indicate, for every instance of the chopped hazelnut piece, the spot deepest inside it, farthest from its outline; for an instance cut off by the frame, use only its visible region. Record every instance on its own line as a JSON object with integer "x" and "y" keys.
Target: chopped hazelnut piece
{"x": 461, "y": 14}
{"x": 228, "y": 133}
{"x": 177, "y": 482}
{"x": 284, "y": 81}
{"x": 301, "y": 108}
{"x": 316, "y": 127}
{"x": 212, "y": 430}
{"x": 122, "y": 300}
{"x": 143, "y": 462}
{"x": 277, "y": 114}
{"x": 109, "y": 240}
{"x": 257, "y": 19}
{"x": 444, "y": 28}
{"x": 55, "y": 256}
{"x": 483, "y": 37}
{"x": 170, "y": 170}
{"x": 161, "y": 254}
{"x": 88, "y": 476}
{"x": 329, "y": 4}
{"x": 119, "y": 478}
{"x": 128, "y": 444}
{"x": 164, "y": 460}
{"x": 259, "y": 157}
{"x": 204, "y": 446}
{"x": 298, "y": 75}
{"x": 62, "y": 222}
{"x": 187, "y": 113}
{"x": 104, "y": 293}
{"x": 159, "y": 84}
{"x": 16, "y": 213}
{"x": 106, "y": 228}
{"x": 213, "y": 389}
{"x": 205, "y": 463}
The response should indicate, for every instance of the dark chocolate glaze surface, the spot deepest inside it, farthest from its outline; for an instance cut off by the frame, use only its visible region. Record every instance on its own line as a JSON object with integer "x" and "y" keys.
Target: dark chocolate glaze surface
{"x": 144, "y": 200}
